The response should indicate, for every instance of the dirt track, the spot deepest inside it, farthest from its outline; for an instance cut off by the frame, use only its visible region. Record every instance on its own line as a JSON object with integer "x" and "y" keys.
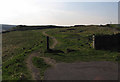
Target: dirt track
{"x": 35, "y": 71}
{"x": 54, "y": 40}
{"x": 103, "y": 70}
{"x": 98, "y": 70}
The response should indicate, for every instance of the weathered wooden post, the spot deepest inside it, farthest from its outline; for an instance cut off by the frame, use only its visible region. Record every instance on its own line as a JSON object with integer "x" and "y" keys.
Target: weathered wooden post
{"x": 94, "y": 41}
{"x": 47, "y": 42}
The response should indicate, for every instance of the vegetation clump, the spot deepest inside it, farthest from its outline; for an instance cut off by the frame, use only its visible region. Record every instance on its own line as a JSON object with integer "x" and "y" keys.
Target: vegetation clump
{"x": 41, "y": 64}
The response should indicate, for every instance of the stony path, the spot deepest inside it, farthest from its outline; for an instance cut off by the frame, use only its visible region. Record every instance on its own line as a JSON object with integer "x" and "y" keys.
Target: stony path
{"x": 94, "y": 70}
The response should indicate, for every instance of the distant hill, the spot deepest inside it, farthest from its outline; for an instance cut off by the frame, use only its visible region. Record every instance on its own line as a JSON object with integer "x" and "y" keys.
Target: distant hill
{"x": 25, "y": 27}
{"x": 6, "y": 27}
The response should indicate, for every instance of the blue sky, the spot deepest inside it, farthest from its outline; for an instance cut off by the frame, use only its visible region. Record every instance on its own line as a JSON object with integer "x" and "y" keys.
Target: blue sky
{"x": 38, "y": 12}
{"x": 88, "y": 12}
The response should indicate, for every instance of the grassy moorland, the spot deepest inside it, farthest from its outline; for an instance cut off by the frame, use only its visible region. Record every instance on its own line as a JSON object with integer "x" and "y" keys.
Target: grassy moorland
{"x": 74, "y": 44}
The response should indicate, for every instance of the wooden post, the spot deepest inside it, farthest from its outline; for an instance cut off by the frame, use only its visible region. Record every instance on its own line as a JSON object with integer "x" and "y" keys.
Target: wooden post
{"x": 94, "y": 41}
{"x": 47, "y": 42}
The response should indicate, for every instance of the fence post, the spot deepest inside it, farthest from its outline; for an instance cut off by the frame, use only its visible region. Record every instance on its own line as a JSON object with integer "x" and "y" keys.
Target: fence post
{"x": 47, "y": 42}
{"x": 94, "y": 41}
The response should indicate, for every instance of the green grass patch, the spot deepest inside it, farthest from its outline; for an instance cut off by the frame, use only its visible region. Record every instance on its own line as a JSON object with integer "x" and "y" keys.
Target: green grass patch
{"x": 39, "y": 63}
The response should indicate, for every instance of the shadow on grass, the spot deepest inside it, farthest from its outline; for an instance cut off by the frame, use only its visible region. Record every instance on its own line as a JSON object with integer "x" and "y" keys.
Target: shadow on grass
{"x": 53, "y": 51}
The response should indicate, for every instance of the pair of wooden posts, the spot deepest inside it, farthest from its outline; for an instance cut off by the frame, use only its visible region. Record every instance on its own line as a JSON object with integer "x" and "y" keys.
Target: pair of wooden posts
{"x": 92, "y": 45}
